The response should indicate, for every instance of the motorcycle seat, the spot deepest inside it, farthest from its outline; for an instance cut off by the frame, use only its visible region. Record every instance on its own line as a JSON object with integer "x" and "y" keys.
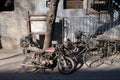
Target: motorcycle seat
{"x": 50, "y": 50}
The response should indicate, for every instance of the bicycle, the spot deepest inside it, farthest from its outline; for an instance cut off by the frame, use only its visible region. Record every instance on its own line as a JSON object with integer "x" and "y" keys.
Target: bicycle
{"x": 81, "y": 50}
{"x": 106, "y": 52}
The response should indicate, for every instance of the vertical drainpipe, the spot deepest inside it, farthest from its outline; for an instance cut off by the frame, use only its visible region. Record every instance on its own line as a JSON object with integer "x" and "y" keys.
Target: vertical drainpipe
{"x": 87, "y": 7}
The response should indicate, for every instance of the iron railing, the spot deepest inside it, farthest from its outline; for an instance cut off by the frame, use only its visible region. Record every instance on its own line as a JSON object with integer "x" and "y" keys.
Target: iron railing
{"x": 91, "y": 25}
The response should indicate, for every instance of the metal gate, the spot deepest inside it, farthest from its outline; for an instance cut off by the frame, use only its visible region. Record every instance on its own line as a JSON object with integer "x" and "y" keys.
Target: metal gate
{"x": 101, "y": 27}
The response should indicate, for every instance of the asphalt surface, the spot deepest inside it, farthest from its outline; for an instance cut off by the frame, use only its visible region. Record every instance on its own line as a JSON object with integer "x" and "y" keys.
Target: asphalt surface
{"x": 10, "y": 69}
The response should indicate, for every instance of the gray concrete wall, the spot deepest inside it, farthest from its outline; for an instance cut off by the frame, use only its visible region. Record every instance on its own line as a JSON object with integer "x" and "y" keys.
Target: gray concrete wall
{"x": 40, "y": 6}
{"x": 13, "y": 23}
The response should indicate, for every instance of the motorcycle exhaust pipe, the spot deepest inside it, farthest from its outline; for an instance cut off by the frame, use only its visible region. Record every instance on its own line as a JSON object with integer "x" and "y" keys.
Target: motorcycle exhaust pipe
{"x": 27, "y": 65}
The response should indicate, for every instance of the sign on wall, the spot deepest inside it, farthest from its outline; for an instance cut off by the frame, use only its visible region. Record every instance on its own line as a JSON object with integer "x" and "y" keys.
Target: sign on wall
{"x": 36, "y": 23}
{"x": 47, "y": 3}
{"x": 38, "y": 26}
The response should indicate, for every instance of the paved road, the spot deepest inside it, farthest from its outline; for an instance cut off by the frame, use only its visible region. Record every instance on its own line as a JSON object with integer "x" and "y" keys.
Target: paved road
{"x": 10, "y": 70}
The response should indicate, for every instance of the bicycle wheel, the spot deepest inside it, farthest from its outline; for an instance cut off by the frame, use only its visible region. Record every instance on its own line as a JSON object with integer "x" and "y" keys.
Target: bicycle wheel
{"x": 92, "y": 59}
{"x": 96, "y": 63}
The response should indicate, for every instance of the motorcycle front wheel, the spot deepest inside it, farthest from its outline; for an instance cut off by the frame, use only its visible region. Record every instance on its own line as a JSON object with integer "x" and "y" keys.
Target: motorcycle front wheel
{"x": 28, "y": 66}
{"x": 66, "y": 66}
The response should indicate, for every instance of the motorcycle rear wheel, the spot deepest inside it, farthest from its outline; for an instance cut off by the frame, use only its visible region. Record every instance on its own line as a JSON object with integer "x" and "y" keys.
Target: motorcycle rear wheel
{"x": 27, "y": 61}
{"x": 70, "y": 65}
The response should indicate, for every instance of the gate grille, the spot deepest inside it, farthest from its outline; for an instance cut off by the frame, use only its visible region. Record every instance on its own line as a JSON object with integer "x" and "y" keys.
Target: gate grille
{"x": 91, "y": 25}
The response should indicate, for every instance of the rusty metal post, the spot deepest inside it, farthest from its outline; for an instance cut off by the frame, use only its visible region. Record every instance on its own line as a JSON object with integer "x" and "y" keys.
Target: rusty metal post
{"x": 28, "y": 22}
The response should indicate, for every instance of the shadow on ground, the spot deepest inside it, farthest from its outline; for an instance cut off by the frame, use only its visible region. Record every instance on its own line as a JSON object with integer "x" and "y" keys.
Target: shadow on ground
{"x": 78, "y": 75}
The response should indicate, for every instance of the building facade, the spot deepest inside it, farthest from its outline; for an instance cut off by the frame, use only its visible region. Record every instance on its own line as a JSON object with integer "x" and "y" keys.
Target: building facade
{"x": 89, "y": 16}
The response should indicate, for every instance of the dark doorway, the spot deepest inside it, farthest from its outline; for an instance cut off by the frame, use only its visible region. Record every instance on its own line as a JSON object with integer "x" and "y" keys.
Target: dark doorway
{"x": 41, "y": 41}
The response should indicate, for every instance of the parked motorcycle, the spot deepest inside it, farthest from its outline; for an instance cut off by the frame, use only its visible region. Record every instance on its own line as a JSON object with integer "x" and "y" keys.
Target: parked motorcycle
{"x": 76, "y": 49}
{"x": 46, "y": 59}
